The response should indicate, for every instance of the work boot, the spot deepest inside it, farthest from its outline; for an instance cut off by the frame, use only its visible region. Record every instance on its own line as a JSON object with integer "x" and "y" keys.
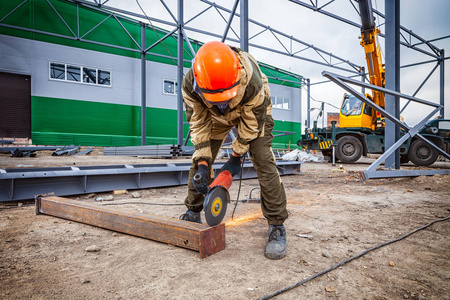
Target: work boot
{"x": 276, "y": 245}
{"x": 191, "y": 216}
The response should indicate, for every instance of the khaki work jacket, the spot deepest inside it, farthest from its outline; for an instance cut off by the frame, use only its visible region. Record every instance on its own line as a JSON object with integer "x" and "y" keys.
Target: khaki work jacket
{"x": 247, "y": 110}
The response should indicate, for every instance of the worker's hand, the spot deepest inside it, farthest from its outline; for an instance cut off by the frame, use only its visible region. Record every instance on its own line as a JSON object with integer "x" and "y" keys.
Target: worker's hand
{"x": 200, "y": 179}
{"x": 233, "y": 164}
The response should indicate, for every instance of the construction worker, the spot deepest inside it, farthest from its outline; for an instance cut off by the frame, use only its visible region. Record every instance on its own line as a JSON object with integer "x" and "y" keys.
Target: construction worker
{"x": 226, "y": 88}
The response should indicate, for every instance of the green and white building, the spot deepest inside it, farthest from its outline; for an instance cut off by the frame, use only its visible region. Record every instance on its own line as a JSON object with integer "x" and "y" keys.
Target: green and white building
{"x": 71, "y": 74}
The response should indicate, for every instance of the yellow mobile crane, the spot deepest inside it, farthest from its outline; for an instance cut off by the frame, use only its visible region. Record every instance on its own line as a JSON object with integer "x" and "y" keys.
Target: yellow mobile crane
{"x": 353, "y": 112}
{"x": 361, "y": 129}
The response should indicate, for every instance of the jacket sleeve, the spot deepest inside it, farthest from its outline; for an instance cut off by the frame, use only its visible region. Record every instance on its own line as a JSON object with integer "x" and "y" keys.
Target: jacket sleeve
{"x": 200, "y": 122}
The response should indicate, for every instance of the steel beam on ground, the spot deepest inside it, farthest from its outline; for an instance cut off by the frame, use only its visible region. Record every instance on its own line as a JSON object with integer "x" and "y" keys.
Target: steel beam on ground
{"x": 26, "y": 183}
{"x": 149, "y": 150}
{"x": 364, "y": 175}
{"x": 199, "y": 237}
{"x": 32, "y": 148}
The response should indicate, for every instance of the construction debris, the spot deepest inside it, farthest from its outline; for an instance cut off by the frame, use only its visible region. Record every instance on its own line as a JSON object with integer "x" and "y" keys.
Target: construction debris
{"x": 20, "y": 153}
{"x": 67, "y": 151}
{"x": 87, "y": 151}
{"x": 299, "y": 155}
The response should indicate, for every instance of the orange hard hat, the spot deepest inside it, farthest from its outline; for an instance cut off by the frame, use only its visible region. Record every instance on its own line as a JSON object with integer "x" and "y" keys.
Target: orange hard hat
{"x": 217, "y": 72}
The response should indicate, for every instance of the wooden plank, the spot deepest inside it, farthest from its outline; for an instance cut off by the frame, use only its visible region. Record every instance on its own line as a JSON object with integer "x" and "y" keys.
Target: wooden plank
{"x": 199, "y": 237}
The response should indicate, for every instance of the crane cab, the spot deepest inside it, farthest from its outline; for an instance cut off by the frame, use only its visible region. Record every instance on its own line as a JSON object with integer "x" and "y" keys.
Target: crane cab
{"x": 356, "y": 114}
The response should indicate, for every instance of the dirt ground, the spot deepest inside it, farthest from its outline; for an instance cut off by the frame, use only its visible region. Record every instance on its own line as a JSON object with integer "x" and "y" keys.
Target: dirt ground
{"x": 43, "y": 257}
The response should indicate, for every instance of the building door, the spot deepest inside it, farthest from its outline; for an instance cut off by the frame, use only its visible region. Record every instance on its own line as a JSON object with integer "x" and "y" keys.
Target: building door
{"x": 15, "y": 106}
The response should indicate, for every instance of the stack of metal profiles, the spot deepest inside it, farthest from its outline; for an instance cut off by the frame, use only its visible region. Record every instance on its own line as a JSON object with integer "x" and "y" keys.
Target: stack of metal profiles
{"x": 150, "y": 151}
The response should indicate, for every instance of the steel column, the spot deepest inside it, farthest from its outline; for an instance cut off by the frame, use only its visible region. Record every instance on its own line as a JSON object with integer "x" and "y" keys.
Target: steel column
{"x": 392, "y": 50}
{"x": 308, "y": 103}
{"x": 143, "y": 88}
{"x": 442, "y": 82}
{"x": 180, "y": 73}
{"x": 244, "y": 25}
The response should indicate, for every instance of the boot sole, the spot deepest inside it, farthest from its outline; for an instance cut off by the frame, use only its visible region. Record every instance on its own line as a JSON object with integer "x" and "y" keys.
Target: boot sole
{"x": 275, "y": 256}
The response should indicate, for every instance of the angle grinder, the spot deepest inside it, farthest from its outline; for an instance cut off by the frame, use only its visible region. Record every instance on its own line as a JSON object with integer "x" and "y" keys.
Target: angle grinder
{"x": 217, "y": 197}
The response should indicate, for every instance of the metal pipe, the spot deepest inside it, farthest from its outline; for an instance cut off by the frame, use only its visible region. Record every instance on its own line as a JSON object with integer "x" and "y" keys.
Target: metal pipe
{"x": 143, "y": 87}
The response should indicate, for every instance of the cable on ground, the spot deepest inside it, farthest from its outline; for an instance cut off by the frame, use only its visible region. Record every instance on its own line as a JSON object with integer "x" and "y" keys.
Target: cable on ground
{"x": 349, "y": 260}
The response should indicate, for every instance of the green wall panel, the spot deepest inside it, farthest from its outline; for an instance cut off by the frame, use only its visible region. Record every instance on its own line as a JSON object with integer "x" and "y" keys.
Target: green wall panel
{"x": 283, "y": 142}
{"x": 58, "y": 121}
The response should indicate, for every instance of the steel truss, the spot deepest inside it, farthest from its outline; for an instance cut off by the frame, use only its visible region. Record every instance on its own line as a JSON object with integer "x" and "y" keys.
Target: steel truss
{"x": 410, "y": 132}
{"x": 180, "y": 27}
{"x": 406, "y": 33}
{"x": 21, "y": 184}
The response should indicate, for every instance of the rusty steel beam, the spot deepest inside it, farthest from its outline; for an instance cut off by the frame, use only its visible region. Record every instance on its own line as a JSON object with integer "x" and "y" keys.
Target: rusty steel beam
{"x": 199, "y": 237}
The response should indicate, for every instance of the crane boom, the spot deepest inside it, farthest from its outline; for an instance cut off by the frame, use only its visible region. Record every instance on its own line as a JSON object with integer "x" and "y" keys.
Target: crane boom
{"x": 369, "y": 40}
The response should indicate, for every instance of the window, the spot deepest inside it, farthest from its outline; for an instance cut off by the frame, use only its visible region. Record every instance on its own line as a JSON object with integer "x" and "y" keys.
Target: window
{"x": 444, "y": 125}
{"x": 66, "y": 72}
{"x": 73, "y": 73}
{"x": 104, "y": 77}
{"x": 281, "y": 103}
{"x": 89, "y": 75}
{"x": 57, "y": 71}
{"x": 352, "y": 106}
{"x": 170, "y": 87}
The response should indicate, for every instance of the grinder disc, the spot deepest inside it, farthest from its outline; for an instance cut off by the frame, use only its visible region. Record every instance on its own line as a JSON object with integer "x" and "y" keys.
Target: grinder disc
{"x": 215, "y": 205}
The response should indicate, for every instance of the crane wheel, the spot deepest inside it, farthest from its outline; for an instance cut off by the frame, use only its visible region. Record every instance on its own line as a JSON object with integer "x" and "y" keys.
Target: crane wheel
{"x": 349, "y": 149}
{"x": 422, "y": 154}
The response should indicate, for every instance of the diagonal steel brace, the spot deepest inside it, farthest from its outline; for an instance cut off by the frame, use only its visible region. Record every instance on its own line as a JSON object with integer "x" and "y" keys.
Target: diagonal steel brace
{"x": 410, "y": 131}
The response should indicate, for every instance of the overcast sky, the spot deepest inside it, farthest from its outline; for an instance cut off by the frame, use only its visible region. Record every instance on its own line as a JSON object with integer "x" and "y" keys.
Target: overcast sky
{"x": 428, "y": 19}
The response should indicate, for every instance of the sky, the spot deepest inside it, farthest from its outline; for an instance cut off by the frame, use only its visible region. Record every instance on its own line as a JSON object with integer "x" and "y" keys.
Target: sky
{"x": 428, "y": 19}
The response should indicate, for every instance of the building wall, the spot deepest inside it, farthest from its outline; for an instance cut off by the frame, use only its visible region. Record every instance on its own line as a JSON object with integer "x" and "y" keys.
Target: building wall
{"x": 64, "y": 112}
{"x": 332, "y": 117}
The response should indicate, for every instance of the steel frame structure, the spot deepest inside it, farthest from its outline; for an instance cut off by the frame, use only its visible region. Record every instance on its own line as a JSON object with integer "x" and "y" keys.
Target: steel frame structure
{"x": 410, "y": 132}
{"x": 26, "y": 183}
{"x": 180, "y": 27}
